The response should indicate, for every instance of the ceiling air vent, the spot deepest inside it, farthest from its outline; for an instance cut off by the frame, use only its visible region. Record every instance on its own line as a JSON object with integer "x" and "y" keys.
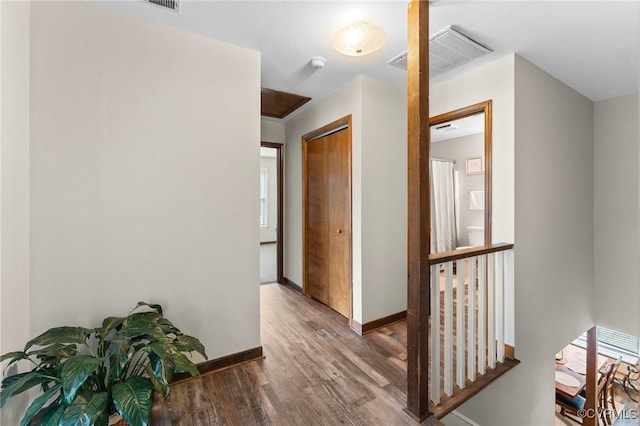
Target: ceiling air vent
{"x": 448, "y": 49}
{"x": 167, "y": 4}
{"x": 399, "y": 61}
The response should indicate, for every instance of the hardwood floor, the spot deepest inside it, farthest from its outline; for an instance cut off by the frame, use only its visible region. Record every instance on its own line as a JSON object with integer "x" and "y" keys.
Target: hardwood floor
{"x": 316, "y": 371}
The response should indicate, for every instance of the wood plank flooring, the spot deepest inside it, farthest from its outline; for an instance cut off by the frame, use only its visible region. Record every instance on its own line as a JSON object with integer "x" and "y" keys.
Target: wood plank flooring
{"x": 316, "y": 371}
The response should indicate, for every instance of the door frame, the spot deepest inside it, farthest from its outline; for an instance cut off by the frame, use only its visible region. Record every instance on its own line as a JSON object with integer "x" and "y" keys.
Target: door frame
{"x": 280, "y": 206}
{"x": 335, "y": 126}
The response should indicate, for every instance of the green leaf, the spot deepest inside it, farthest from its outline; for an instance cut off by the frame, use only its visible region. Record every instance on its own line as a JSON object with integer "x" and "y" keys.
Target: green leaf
{"x": 162, "y": 367}
{"x": 184, "y": 364}
{"x": 38, "y": 403}
{"x": 52, "y": 415}
{"x": 119, "y": 355}
{"x": 57, "y": 350}
{"x": 18, "y": 383}
{"x": 85, "y": 412}
{"x": 133, "y": 400}
{"x": 155, "y": 307}
{"x": 186, "y": 343}
{"x": 60, "y": 335}
{"x": 158, "y": 386}
{"x": 138, "y": 327}
{"x": 13, "y": 356}
{"x": 75, "y": 372}
{"x": 110, "y": 323}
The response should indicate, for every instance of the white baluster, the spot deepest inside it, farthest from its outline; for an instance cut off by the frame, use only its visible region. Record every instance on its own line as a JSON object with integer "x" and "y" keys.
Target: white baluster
{"x": 482, "y": 314}
{"x": 435, "y": 334}
{"x": 460, "y": 328}
{"x": 448, "y": 328}
{"x": 471, "y": 326}
{"x": 499, "y": 272}
{"x": 491, "y": 314}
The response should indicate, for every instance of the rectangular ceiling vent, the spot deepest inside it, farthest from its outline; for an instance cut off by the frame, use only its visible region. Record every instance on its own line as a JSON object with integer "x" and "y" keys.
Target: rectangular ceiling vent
{"x": 448, "y": 49}
{"x": 399, "y": 61}
{"x": 167, "y": 4}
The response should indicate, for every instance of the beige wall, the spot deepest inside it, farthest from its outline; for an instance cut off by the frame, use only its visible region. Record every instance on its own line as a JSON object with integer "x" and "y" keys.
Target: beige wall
{"x": 378, "y": 192}
{"x": 384, "y": 200}
{"x": 129, "y": 200}
{"x": 617, "y": 214}
{"x": 271, "y": 130}
{"x": 553, "y": 243}
{"x": 14, "y": 184}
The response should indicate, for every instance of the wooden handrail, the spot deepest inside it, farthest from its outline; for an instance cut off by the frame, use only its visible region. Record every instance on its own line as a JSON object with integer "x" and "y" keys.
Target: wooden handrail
{"x": 449, "y": 256}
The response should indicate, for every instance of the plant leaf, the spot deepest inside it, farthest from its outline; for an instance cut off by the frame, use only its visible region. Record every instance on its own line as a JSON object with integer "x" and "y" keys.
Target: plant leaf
{"x": 75, "y": 372}
{"x": 60, "y": 335}
{"x": 38, "y": 403}
{"x": 138, "y": 327}
{"x": 52, "y": 415}
{"x": 158, "y": 386}
{"x": 57, "y": 350}
{"x": 185, "y": 343}
{"x": 110, "y": 323}
{"x": 18, "y": 383}
{"x": 162, "y": 367}
{"x": 118, "y": 355}
{"x": 184, "y": 364}
{"x": 133, "y": 400}
{"x": 14, "y": 356}
{"x": 84, "y": 412}
{"x": 155, "y": 307}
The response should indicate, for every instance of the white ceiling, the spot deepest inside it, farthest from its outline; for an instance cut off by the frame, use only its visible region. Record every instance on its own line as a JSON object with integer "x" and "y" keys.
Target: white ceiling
{"x": 471, "y": 125}
{"x": 593, "y": 46}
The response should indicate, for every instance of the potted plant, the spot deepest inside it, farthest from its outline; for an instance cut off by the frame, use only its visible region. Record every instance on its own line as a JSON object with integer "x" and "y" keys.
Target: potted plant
{"x": 87, "y": 374}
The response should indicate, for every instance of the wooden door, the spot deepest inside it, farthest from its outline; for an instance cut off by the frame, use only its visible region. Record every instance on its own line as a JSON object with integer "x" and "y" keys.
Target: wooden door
{"x": 328, "y": 220}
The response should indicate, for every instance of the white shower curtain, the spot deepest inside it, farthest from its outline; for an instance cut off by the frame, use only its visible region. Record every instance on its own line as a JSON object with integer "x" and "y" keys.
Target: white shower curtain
{"x": 443, "y": 207}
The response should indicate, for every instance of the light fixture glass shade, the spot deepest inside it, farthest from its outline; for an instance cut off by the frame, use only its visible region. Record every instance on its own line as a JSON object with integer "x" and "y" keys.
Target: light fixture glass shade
{"x": 359, "y": 39}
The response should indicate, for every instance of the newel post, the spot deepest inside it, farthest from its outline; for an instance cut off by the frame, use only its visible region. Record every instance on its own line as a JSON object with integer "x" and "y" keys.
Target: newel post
{"x": 418, "y": 209}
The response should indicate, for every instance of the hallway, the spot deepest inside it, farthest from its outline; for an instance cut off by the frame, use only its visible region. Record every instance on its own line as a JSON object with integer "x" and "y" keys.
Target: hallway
{"x": 315, "y": 371}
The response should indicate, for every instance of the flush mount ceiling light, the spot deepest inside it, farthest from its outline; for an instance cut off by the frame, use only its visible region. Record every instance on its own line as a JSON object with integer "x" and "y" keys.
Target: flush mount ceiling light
{"x": 359, "y": 39}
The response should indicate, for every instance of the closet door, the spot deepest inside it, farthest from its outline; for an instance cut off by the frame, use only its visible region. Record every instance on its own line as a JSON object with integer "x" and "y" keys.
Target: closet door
{"x": 339, "y": 182}
{"x": 317, "y": 226}
{"x": 328, "y": 220}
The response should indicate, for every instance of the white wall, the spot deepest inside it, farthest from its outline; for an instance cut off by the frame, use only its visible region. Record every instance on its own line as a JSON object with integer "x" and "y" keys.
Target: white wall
{"x": 271, "y": 130}
{"x": 268, "y": 233}
{"x": 379, "y": 203}
{"x": 553, "y": 243}
{"x": 384, "y": 200}
{"x": 14, "y": 184}
{"x": 617, "y": 214}
{"x": 129, "y": 198}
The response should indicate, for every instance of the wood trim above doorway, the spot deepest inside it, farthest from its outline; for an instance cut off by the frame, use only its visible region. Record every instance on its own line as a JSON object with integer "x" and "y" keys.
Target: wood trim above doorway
{"x": 338, "y": 125}
{"x": 280, "y": 206}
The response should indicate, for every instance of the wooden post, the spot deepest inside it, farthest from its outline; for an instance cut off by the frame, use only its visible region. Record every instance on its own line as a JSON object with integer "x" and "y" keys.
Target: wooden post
{"x": 418, "y": 209}
{"x": 591, "y": 404}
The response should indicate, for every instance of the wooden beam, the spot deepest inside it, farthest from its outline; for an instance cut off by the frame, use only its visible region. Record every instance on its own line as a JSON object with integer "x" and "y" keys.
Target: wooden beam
{"x": 418, "y": 209}
{"x": 591, "y": 405}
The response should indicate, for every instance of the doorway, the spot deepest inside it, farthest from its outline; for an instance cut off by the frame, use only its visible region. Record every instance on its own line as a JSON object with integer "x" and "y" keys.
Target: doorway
{"x": 271, "y": 250}
{"x": 327, "y": 215}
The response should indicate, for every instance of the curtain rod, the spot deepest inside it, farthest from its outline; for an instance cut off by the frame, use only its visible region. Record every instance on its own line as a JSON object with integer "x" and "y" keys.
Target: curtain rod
{"x": 440, "y": 159}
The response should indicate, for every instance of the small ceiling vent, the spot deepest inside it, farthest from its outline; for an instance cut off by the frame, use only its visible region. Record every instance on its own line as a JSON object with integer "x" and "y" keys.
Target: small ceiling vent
{"x": 448, "y": 49}
{"x": 167, "y": 4}
{"x": 399, "y": 61}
